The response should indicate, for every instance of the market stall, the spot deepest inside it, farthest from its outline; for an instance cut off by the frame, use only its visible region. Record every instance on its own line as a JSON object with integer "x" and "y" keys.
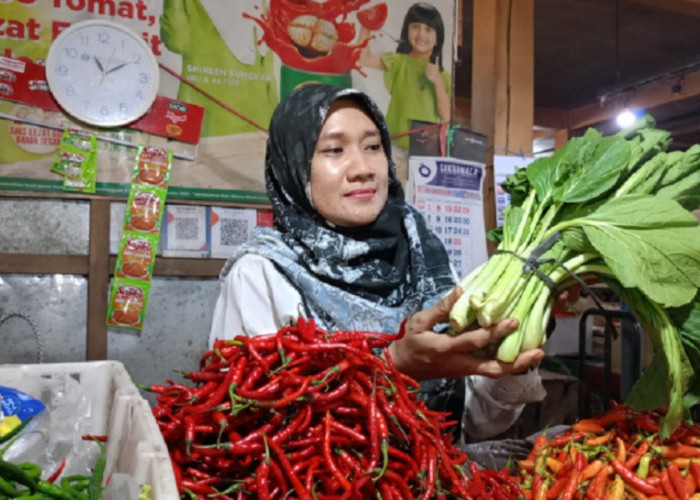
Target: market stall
{"x": 195, "y": 303}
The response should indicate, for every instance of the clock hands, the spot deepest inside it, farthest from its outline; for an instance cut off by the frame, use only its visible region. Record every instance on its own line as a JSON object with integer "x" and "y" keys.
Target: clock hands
{"x": 99, "y": 64}
{"x": 111, "y": 70}
{"x": 119, "y": 66}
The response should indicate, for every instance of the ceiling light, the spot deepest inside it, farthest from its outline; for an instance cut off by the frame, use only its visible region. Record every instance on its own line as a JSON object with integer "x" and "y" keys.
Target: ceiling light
{"x": 627, "y": 117}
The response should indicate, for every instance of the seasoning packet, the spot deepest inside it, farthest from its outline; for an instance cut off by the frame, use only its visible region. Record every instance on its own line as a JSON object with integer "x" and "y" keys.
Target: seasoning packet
{"x": 141, "y": 232}
{"x": 76, "y": 161}
{"x": 127, "y": 303}
{"x": 152, "y": 167}
{"x": 144, "y": 209}
{"x": 16, "y": 410}
{"x": 137, "y": 255}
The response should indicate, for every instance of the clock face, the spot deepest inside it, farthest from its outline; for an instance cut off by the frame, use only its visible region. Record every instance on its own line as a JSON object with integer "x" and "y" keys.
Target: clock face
{"x": 102, "y": 73}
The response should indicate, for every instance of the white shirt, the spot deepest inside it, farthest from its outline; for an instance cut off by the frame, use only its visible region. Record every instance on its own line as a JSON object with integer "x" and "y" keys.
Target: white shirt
{"x": 256, "y": 298}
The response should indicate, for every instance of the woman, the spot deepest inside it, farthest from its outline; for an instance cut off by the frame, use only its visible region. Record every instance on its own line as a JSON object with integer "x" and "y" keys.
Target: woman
{"x": 347, "y": 250}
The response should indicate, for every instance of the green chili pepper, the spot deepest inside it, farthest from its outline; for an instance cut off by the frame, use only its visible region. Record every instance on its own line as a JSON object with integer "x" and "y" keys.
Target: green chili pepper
{"x": 7, "y": 489}
{"x": 53, "y": 490}
{"x": 31, "y": 469}
{"x": 15, "y": 473}
{"x": 76, "y": 486}
{"x": 643, "y": 467}
{"x": 95, "y": 486}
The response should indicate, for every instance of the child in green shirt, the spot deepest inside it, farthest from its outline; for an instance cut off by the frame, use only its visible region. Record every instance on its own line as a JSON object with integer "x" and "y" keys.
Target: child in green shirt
{"x": 414, "y": 75}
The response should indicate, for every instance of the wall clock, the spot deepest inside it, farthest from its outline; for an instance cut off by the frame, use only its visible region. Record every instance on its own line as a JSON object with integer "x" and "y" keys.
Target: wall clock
{"x": 102, "y": 73}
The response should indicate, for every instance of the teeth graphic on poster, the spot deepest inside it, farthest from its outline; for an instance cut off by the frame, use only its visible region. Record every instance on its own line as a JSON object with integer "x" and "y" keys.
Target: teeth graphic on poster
{"x": 225, "y": 65}
{"x": 449, "y": 193}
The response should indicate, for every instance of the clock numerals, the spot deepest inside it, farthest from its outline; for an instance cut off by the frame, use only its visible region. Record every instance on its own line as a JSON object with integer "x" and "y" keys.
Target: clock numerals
{"x": 103, "y": 37}
{"x": 102, "y": 73}
{"x": 71, "y": 52}
{"x": 84, "y": 40}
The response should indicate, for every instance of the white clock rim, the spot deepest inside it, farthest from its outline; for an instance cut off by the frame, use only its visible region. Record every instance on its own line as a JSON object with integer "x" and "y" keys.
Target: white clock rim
{"x": 127, "y": 31}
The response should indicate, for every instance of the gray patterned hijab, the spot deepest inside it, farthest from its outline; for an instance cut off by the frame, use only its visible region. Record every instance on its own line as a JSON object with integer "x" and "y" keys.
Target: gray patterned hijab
{"x": 363, "y": 278}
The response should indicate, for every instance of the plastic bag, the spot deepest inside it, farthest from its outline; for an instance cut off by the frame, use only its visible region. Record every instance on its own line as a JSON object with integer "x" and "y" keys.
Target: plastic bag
{"x": 16, "y": 410}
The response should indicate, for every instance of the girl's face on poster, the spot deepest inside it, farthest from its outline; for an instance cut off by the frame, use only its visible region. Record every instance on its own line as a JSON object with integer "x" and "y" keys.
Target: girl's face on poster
{"x": 423, "y": 39}
{"x": 349, "y": 169}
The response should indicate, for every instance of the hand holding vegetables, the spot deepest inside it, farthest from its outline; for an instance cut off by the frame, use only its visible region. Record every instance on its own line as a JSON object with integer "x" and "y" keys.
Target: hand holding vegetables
{"x": 424, "y": 354}
{"x": 614, "y": 208}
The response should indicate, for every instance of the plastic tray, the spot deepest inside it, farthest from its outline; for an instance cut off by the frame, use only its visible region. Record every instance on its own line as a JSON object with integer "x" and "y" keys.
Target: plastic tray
{"x": 135, "y": 445}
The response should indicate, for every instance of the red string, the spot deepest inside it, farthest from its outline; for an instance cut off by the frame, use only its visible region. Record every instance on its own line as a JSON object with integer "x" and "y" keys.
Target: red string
{"x": 208, "y": 95}
{"x": 256, "y": 125}
{"x": 443, "y": 139}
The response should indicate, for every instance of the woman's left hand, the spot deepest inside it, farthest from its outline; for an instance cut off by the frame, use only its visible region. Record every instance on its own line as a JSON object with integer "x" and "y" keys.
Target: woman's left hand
{"x": 424, "y": 354}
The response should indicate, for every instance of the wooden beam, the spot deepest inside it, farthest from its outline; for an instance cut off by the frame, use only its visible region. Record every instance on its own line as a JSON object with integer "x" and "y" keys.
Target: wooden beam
{"x": 182, "y": 267}
{"x": 502, "y": 83}
{"x": 685, "y": 7}
{"x": 670, "y": 90}
{"x": 98, "y": 282}
{"x": 43, "y": 264}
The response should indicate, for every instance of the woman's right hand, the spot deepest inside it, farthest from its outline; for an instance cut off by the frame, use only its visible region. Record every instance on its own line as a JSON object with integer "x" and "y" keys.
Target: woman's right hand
{"x": 424, "y": 354}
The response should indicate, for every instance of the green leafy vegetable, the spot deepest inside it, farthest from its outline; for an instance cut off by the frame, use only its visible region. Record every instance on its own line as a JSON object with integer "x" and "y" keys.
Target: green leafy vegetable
{"x": 615, "y": 208}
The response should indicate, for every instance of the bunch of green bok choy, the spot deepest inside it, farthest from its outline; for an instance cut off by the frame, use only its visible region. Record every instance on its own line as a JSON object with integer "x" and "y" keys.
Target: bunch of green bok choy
{"x": 616, "y": 208}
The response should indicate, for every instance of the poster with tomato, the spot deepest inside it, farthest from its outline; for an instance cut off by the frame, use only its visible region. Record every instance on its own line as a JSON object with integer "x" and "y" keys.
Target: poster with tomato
{"x": 236, "y": 60}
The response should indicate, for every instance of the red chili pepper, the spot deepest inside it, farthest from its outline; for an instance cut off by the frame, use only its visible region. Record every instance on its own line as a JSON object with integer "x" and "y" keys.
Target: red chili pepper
{"x": 94, "y": 437}
{"x": 639, "y": 452}
{"x": 645, "y": 422}
{"x": 57, "y": 472}
{"x": 694, "y": 469}
{"x": 202, "y": 486}
{"x": 678, "y": 450}
{"x": 328, "y": 456}
{"x": 400, "y": 482}
{"x": 678, "y": 481}
{"x": 596, "y": 488}
{"x": 557, "y": 487}
{"x": 667, "y": 485}
{"x": 299, "y": 487}
{"x": 633, "y": 480}
{"x": 284, "y": 401}
{"x": 540, "y": 442}
{"x": 588, "y": 427}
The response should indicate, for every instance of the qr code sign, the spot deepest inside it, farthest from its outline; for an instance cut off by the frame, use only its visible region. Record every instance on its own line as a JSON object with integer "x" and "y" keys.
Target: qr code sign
{"x": 233, "y": 231}
{"x": 187, "y": 228}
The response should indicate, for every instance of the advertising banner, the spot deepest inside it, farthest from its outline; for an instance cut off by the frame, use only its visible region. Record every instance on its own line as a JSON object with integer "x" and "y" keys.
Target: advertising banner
{"x": 234, "y": 60}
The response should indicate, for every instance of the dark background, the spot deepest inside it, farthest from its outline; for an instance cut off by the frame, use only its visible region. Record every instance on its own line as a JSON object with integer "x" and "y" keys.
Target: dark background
{"x": 585, "y": 49}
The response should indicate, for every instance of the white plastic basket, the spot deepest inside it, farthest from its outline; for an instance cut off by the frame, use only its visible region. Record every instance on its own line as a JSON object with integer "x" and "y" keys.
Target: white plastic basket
{"x": 135, "y": 446}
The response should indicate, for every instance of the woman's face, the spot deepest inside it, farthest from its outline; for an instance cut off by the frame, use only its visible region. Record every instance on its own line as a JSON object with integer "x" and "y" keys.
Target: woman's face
{"x": 349, "y": 168}
{"x": 423, "y": 39}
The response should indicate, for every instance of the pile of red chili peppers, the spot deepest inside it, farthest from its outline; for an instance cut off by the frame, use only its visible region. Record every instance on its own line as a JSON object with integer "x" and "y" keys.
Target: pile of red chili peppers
{"x": 310, "y": 414}
{"x": 614, "y": 456}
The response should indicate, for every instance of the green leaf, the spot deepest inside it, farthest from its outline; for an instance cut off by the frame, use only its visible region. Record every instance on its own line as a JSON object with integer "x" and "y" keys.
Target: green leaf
{"x": 670, "y": 365}
{"x": 597, "y": 174}
{"x": 649, "y": 243}
{"x": 680, "y": 164}
{"x": 517, "y": 185}
{"x": 651, "y": 390}
{"x": 687, "y": 321}
{"x": 685, "y": 191}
